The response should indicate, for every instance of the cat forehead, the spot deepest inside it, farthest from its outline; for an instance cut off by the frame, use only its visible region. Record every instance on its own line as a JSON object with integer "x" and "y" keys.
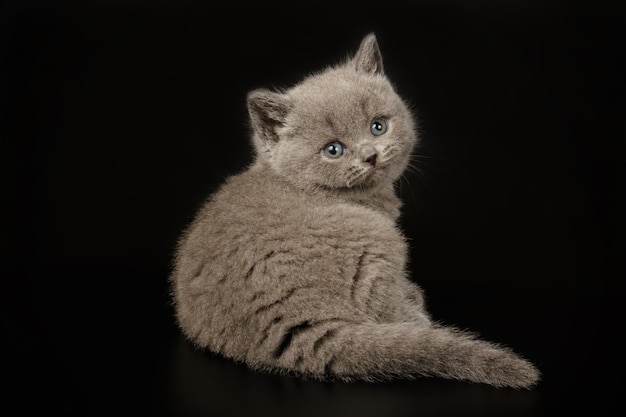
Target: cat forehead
{"x": 339, "y": 87}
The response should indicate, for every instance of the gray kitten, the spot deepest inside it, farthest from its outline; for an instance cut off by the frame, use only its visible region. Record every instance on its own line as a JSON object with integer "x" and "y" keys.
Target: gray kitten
{"x": 297, "y": 265}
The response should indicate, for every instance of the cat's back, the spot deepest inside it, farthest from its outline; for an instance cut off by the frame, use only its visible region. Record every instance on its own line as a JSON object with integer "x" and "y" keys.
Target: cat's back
{"x": 257, "y": 214}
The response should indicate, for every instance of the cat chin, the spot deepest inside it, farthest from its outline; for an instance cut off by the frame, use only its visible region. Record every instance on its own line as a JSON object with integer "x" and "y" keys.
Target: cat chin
{"x": 374, "y": 179}
{"x": 366, "y": 184}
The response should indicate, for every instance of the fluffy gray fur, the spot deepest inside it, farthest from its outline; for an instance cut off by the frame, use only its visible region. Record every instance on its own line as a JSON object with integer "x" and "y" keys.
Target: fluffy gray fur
{"x": 297, "y": 265}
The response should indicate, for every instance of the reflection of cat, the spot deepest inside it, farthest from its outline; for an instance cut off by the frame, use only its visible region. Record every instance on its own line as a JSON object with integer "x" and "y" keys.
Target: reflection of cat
{"x": 296, "y": 265}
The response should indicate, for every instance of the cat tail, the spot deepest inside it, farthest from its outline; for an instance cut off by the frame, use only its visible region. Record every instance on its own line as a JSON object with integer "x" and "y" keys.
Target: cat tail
{"x": 404, "y": 350}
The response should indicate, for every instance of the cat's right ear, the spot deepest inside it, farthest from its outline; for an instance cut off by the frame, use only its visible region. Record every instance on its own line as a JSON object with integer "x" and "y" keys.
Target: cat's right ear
{"x": 268, "y": 112}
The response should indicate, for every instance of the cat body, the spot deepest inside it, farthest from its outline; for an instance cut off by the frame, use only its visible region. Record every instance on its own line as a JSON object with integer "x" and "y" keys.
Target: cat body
{"x": 297, "y": 264}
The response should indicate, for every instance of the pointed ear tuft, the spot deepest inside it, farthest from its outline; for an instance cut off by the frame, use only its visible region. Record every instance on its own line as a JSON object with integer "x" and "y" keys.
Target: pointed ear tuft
{"x": 368, "y": 58}
{"x": 268, "y": 111}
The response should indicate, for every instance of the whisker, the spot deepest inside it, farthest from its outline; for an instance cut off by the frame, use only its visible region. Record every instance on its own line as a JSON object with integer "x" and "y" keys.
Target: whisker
{"x": 415, "y": 170}
{"x": 417, "y": 155}
{"x": 403, "y": 177}
{"x": 423, "y": 162}
{"x": 355, "y": 176}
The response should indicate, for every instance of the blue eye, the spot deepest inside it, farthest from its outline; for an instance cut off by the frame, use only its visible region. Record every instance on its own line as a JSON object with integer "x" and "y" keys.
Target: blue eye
{"x": 378, "y": 126}
{"x": 333, "y": 150}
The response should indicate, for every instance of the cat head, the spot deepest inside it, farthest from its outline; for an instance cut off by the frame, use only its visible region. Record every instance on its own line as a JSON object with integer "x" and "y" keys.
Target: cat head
{"x": 344, "y": 128}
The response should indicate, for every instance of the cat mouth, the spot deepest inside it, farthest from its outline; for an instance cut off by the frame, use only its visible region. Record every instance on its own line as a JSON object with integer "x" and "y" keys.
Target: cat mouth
{"x": 363, "y": 177}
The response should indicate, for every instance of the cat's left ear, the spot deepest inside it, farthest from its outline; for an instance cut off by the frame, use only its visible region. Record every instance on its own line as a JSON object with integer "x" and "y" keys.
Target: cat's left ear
{"x": 368, "y": 58}
{"x": 268, "y": 112}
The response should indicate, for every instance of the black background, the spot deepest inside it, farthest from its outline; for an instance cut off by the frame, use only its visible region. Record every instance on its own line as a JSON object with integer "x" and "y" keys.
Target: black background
{"x": 118, "y": 118}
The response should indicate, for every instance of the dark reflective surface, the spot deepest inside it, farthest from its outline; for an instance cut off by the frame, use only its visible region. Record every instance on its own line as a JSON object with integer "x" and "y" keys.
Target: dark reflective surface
{"x": 202, "y": 384}
{"x": 120, "y": 354}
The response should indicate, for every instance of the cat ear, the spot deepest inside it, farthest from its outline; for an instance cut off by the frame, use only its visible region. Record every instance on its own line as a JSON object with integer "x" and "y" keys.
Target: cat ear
{"x": 368, "y": 58}
{"x": 268, "y": 111}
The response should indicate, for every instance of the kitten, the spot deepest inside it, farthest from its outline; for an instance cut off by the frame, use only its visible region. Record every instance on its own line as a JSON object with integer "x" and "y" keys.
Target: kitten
{"x": 296, "y": 265}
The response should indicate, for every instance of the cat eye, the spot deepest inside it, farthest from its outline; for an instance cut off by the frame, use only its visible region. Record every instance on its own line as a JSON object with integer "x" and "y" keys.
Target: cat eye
{"x": 378, "y": 126}
{"x": 333, "y": 150}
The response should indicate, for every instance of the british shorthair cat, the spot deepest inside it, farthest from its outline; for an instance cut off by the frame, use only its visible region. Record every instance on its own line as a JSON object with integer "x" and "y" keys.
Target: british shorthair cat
{"x": 296, "y": 265}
